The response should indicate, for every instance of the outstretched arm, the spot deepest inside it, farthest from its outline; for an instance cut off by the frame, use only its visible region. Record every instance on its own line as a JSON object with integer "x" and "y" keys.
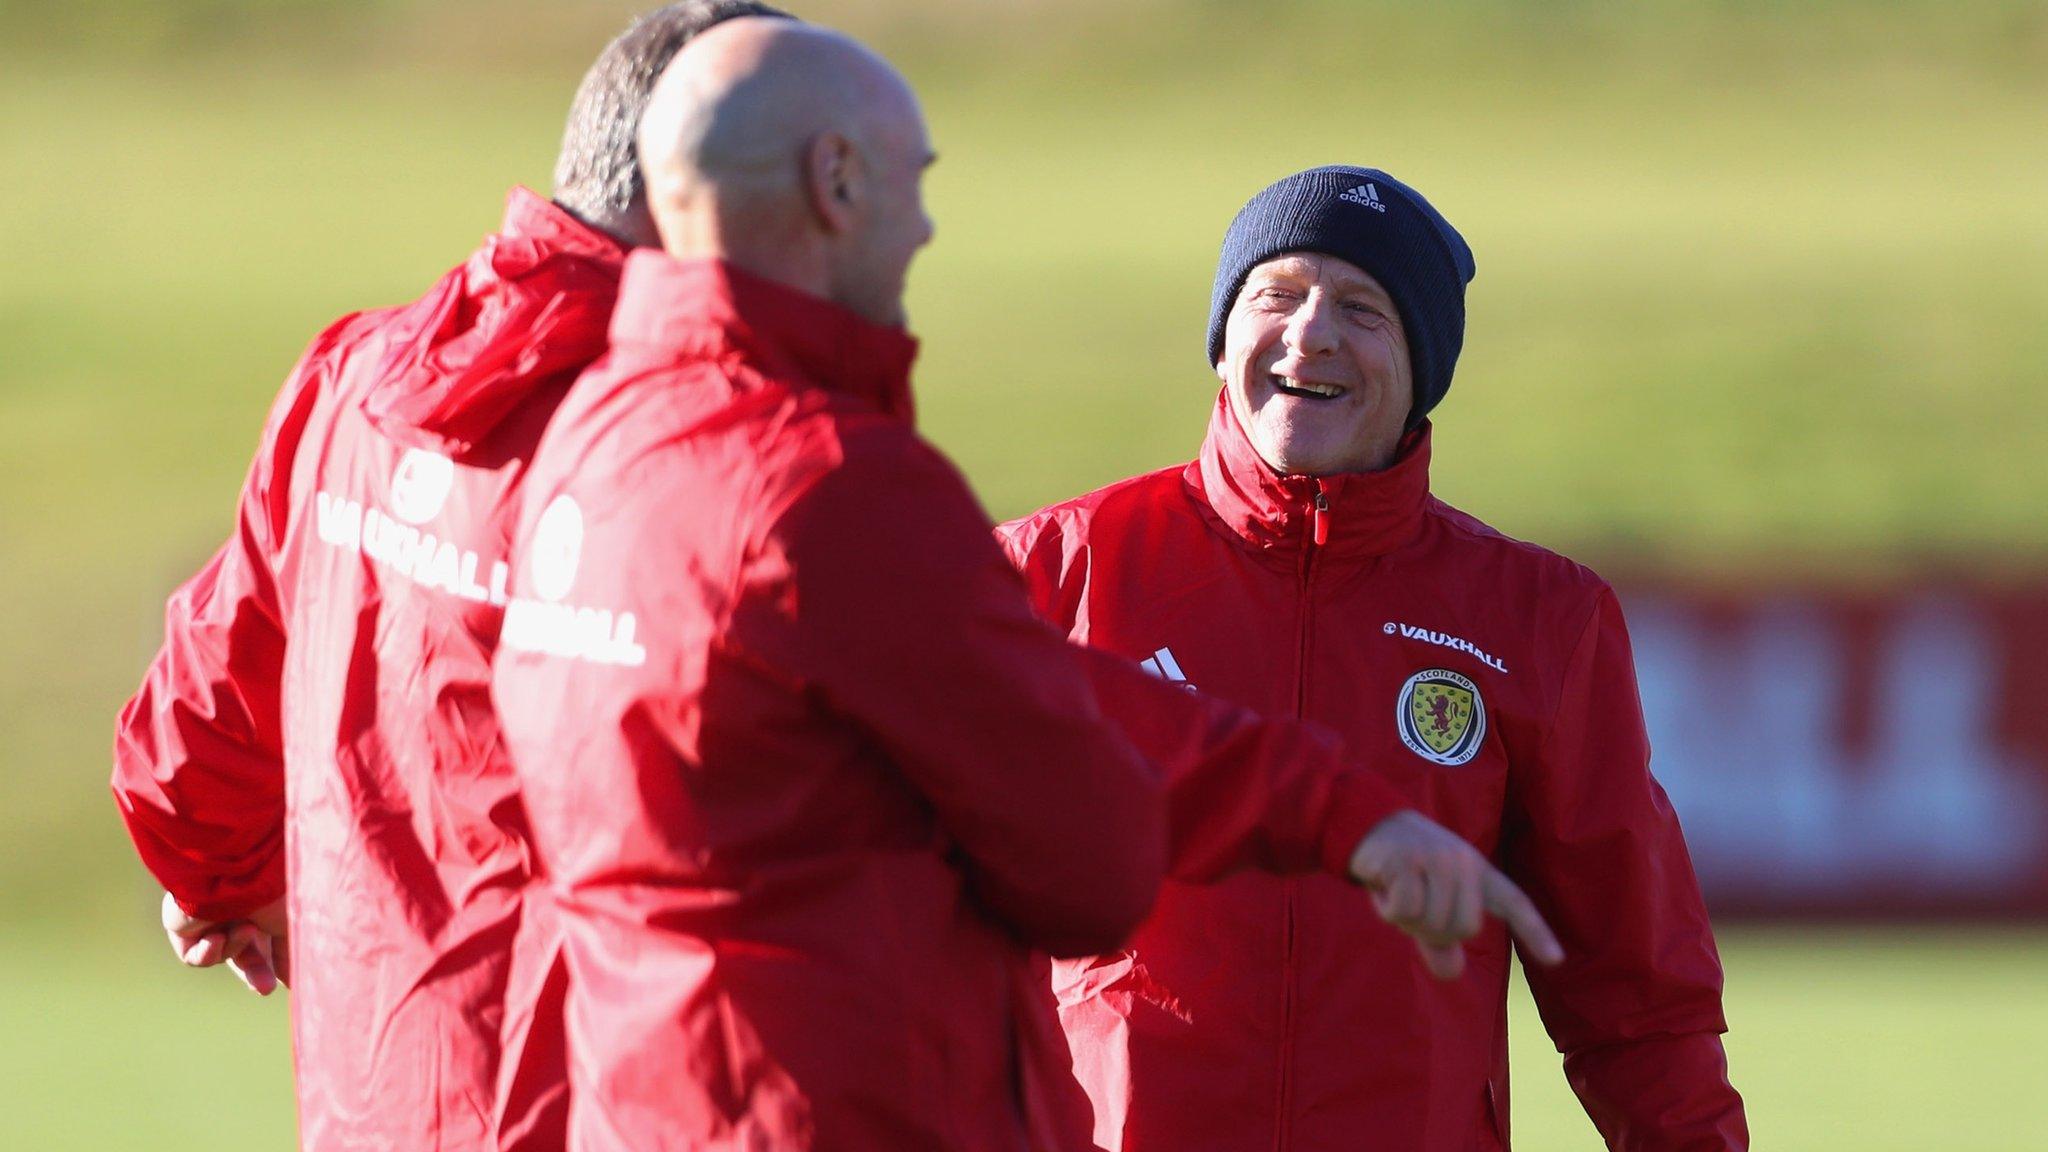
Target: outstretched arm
{"x": 880, "y": 589}
{"x": 1247, "y": 790}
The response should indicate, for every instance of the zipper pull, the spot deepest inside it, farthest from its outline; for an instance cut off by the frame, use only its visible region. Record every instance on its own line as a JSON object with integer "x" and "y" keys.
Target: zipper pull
{"x": 1321, "y": 520}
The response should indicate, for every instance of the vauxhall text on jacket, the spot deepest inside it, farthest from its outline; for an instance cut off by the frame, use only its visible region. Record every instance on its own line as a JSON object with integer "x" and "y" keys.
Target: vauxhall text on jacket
{"x": 318, "y": 718}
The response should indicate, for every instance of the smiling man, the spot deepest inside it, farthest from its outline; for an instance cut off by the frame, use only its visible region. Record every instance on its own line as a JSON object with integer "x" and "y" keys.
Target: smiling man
{"x": 1301, "y": 566}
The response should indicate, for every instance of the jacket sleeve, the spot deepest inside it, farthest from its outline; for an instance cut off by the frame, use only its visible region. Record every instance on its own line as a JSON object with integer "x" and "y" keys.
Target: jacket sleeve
{"x": 1242, "y": 789}
{"x": 885, "y": 595}
{"x": 198, "y": 752}
{"x": 1636, "y": 1006}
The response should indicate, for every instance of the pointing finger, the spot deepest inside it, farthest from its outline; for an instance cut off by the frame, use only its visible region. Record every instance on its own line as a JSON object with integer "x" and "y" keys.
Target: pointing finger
{"x": 252, "y": 966}
{"x": 1469, "y": 912}
{"x": 1508, "y": 902}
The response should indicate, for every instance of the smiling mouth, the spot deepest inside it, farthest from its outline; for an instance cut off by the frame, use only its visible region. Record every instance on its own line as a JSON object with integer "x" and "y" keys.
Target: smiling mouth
{"x": 1307, "y": 389}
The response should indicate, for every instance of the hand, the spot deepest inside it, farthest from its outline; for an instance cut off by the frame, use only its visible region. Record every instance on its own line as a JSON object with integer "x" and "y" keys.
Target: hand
{"x": 253, "y": 948}
{"x": 1429, "y": 883}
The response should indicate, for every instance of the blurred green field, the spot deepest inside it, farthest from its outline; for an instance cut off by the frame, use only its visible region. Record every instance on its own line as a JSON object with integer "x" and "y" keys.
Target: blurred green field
{"x": 1842, "y": 1041}
{"x": 1762, "y": 286}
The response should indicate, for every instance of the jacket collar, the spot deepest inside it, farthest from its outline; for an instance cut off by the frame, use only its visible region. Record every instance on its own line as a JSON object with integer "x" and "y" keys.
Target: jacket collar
{"x": 1363, "y": 514}
{"x": 712, "y": 309}
{"x": 531, "y": 219}
{"x": 526, "y": 308}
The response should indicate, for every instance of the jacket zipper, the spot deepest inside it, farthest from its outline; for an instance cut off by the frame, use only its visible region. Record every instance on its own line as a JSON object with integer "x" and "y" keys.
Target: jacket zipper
{"x": 1318, "y": 535}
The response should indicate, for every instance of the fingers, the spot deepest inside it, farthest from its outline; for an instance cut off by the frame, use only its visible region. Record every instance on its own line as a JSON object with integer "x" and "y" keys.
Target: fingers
{"x": 1400, "y": 901}
{"x": 1435, "y": 902}
{"x": 202, "y": 951}
{"x": 199, "y": 943}
{"x": 1468, "y": 909}
{"x": 1435, "y": 887}
{"x": 241, "y": 934}
{"x": 243, "y": 946}
{"x": 252, "y": 965}
{"x": 1508, "y": 902}
{"x": 1444, "y": 961}
{"x": 1439, "y": 896}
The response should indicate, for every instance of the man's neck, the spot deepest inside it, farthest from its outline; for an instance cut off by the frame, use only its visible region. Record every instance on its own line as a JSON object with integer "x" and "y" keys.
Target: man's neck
{"x": 633, "y": 228}
{"x": 781, "y": 254}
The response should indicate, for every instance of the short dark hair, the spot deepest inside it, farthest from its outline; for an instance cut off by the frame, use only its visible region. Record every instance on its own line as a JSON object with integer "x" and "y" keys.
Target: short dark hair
{"x": 597, "y": 175}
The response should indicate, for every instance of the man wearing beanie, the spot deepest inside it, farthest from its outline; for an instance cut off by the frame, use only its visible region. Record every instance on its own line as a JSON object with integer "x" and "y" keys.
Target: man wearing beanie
{"x": 1299, "y": 565}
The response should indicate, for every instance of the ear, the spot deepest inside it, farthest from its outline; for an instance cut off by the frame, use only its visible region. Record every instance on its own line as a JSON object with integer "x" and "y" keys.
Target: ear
{"x": 833, "y": 185}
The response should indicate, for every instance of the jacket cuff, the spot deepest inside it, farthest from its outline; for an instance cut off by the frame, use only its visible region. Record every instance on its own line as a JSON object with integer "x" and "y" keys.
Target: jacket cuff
{"x": 222, "y": 906}
{"x": 1359, "y": 801}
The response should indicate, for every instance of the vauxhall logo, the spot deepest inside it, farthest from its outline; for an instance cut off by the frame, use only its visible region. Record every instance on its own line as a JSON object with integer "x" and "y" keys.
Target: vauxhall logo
{"x": 406, "y": 541}
{"x": 420, "y": 487}
{"x": 1443, "y": 640}
{"x": 547, "y": 623}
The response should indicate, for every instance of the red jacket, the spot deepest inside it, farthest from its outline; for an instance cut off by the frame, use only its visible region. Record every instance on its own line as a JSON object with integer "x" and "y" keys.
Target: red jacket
{"x": 806, "y": 774}
{"x": 1268, "y": 1012}
{"x": 318, "y": 719}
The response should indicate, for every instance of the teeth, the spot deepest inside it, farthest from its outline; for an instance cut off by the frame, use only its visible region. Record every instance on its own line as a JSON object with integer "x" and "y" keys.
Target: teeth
{"x": 1330, "y": 390}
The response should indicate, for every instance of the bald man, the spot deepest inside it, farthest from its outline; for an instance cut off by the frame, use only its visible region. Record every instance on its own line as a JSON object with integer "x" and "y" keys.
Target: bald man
{"x": 808, "y": 776}
{"x": 313, "y": 748}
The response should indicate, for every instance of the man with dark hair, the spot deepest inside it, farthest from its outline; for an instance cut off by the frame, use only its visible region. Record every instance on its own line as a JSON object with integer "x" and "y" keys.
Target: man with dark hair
{"x": 312, "y": 755}
{"x": 1300, "y": 566}
{"x": 597, "y": 171}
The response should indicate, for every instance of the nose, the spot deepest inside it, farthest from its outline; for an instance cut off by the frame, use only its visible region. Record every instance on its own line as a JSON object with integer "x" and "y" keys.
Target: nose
{"x": 1312, "y": 329}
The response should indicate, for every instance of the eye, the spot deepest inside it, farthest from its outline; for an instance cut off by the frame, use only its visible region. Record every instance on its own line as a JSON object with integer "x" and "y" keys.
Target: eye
{"x": 1360, "y": 310}
{"x": 1275, "y": 293}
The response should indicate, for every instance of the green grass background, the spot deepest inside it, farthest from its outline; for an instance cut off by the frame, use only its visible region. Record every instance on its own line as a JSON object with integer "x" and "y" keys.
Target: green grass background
{"x": 1762, "y": 287}
{"x": 1842, "y": 1041}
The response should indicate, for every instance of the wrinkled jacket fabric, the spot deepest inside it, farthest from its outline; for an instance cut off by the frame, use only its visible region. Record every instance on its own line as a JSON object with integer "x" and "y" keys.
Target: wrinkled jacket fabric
{"x": 808, "y": 778}
{"x": 318, "y": 720}
{"x": 1495, "y": 679}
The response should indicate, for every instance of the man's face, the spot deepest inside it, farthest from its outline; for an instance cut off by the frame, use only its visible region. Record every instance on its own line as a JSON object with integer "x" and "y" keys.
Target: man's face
{"x": 895, "y": 225}
{"x": 1316, "y": 366}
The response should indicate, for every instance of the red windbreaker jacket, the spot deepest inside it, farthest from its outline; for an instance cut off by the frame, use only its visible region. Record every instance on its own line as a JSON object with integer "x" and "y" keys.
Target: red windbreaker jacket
{"x": 1494, "y": 677}
{"x": 318, "y": 718}
{"x": 806, "y": 774}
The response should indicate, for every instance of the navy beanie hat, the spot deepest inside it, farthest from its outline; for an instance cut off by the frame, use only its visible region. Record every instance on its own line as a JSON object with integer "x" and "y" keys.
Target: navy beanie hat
{"x": 1367, "y": 217}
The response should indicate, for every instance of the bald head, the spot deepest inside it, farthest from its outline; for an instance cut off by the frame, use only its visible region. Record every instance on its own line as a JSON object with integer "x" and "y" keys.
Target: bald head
{"x": 793, "y": 151}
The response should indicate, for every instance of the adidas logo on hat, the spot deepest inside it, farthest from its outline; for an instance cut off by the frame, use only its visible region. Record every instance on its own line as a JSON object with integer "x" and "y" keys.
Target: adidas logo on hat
{"x": 1365, "y": 196}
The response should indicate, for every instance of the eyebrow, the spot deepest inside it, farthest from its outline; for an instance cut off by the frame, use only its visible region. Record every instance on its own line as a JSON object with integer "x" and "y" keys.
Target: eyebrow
{"x": 1278, "y": 271}
{"x": 1370, "y": 292}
